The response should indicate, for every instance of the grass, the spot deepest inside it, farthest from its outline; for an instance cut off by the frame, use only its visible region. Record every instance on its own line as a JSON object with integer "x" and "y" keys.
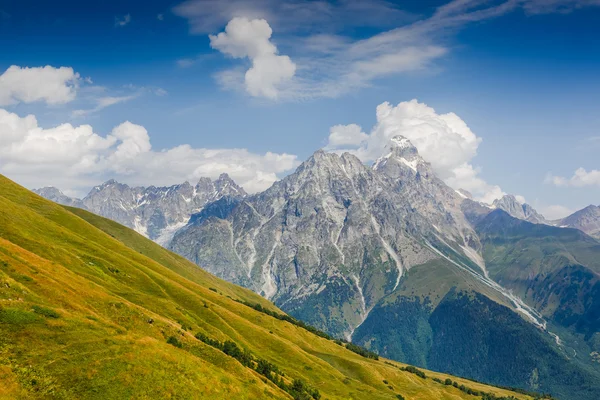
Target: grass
{"x": 100, "y": 317}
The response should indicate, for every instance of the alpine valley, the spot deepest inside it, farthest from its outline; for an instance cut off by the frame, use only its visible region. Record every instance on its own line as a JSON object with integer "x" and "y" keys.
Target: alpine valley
{"x": 391, "y": 258}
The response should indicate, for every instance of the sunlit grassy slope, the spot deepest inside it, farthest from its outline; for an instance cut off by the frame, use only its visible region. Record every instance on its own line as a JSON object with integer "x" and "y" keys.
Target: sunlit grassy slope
{"x": 78, "y": 293}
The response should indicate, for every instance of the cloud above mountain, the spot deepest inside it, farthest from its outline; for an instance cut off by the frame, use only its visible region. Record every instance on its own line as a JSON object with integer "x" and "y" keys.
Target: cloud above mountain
{"x": 444, "y": 140}
{"x": 76, "y": 157}
{"x": 329, "y": 60}
{"x": 245, "y": 38}
{"x": 581, "y": 177}
{"x": 47, "y": 84}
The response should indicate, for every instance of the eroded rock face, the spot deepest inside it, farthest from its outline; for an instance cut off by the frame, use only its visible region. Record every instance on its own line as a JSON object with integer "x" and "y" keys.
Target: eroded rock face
{"x": 54, "y": 194}
{"x": 511, "y": 205}
{"x": 329, "y": 241}
{"x": 155, "y": 212}
{"x": 586, "y": 220}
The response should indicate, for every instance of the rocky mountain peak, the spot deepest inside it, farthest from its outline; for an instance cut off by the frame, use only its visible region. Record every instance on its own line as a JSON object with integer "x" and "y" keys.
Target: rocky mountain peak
{"x": 49, "y": 191}
{"x": 225, "y": 186}
{"x": 586, "y": 220}
{"x": 513, "y": 207}
{"x": 54, "y": 194}
{"x": 402, "y": 147}
{"x": 402, "y": 159}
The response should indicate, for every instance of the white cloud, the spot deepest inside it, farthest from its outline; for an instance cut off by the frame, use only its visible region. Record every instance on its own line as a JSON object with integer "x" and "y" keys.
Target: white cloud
{"x": 75, "y": 158}
{"x": 444, "y": 140}
{"x": 47, "y": 84}
{"x": 520, "y": 199}
{"x": 244, "y": 38}
{"x": 346, "y": 135}
{"x": 329, "y": 64}
{"x": 581, "y": 177}
{"x": 122, "y": 21}
{"x": 160, "y": 17}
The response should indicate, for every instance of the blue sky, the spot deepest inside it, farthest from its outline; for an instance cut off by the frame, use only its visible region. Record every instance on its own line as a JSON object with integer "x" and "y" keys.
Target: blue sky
{"x": 254, "y": 87}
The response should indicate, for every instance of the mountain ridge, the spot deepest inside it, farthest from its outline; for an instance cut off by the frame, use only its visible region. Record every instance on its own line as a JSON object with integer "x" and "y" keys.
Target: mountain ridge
{"x": 155, "y": 212}
{"x": 91, "y": 309}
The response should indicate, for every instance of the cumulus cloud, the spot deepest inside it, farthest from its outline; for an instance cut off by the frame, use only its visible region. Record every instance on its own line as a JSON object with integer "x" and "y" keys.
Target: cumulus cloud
{"x": 75, "y": 157}
{"x": 444, "y": 140}
{"x": 245, "y": 38}
{"x": 581, "y": 177}
{"x": 46, "y": 84}
{"x": 346, "y": 135}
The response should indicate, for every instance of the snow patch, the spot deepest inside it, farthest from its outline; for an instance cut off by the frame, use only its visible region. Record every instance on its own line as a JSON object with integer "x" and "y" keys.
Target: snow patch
{"x": 269, "y": 288}
{"x": 139, "y": 227}
{"x": 411, "y": 164}
{"x": 167, "y": 234}
{"x": 460, "y": 194}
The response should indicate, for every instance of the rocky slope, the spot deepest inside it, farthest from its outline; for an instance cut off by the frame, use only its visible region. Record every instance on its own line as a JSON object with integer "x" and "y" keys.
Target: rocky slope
{"x": 392, "y": 258}
{"x": 54, "y": 194}
{"x": 379, "y": 254}
{"x": 90, "y": 309}
{"x": 155, "y": 212}
{"x": 511, "y": 205}
{"x": 331, "y": 240}
{"x": 586, "y": 220}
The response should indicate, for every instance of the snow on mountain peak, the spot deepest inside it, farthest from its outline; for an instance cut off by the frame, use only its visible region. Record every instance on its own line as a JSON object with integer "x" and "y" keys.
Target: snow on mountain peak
{"x": 401, "y": 142}
{"x": 401, "y": 149}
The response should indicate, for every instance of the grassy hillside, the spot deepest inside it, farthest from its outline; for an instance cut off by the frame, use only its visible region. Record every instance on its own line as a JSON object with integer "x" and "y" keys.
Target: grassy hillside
{"x": 90, "y": 309}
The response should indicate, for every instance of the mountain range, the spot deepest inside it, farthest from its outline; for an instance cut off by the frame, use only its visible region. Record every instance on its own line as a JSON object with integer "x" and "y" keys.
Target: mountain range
{"x": 155, "y": 212}
{"x": 89, "y": 309}
{"x": 389, "y": 257}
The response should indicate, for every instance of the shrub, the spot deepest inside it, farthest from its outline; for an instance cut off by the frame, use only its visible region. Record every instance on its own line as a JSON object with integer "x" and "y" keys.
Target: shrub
{"x": 362, "y": 351}
{"x": 172, "y": 340}
{"x": 416, "y": 371}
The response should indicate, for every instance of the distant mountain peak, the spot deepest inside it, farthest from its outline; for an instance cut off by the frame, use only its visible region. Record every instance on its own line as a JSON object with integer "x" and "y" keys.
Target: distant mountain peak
{"x": 109, "y": 182}
{"x": 402, "y": 146}
{"x": 155, "y": 212}
{"x": 513, "y": 207}
{"x": 57, "y": 196}
{"x": 406, "y": 158}
{"x": 587, "y": 220}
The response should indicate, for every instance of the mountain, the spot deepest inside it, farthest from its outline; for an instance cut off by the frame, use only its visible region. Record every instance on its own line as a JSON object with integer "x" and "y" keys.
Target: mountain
{"x": 511, "y": 205}
{"x": 89, "y": 309}
{"x": 155, "y": 212}
{"x": 586, "y": 220}
{"x": 332, "y": 239}
{"x": 557, "y": 270}
{"x": 54, "y": 194}
{"x": 391, "y": 257}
